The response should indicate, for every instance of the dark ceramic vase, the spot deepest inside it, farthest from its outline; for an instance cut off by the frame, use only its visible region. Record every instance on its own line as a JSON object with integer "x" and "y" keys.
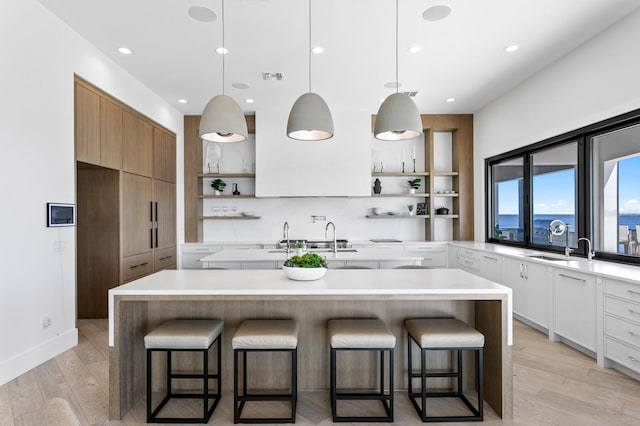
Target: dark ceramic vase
{"x": 377, "y": 187}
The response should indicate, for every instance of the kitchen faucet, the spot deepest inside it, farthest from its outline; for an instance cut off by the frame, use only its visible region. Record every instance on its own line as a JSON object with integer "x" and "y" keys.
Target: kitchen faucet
{"x": 285, "y": 235}
{"x": 590, "y": 253}
{"x": 335, "y": 243}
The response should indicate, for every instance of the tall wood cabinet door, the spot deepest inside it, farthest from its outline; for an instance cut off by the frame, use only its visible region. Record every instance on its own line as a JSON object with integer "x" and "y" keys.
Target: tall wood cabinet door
{"x": 164, "y": 155}
{"x": 164, "y": 214}
{"x": 87, "y": 124}
{"x": 110, "y": 135}
{"x": 137, "y": 214}
{"x": 137, "y": 145}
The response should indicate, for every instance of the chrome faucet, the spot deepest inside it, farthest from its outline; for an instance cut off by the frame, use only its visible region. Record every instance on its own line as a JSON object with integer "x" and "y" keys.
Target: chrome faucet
{"x": 285, "y": 235}
{"x": 335, "y": 243}
{"x": 590, "y": 253}
{"x": 567, "y": 249}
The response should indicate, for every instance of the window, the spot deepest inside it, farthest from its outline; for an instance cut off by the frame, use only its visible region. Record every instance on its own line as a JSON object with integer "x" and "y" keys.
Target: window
{"x": 616, "y": 157}
{"x": 587, "y": 179}
{"x": 508, "y": 186}
{"x": 554, "y": 181}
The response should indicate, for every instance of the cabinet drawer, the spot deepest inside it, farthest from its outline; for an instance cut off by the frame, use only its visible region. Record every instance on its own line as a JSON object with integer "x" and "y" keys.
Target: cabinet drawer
{"x": 622, "y": 289}
{"x": 468, "y": 254}
{"x": 137, "y": 266}
{"x": 622, "y": 308}
{"x": 435, "y": 259}
{"x": 623, "y": 330}
{"x": 469, "y": 264}
{"x": 623, "y": 354}
{"x": 201, "y": 249}
{"x": 164, "y": 259}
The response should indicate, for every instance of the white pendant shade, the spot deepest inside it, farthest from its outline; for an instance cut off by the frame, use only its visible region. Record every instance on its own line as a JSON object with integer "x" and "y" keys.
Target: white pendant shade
{"x": 397, "y": 119}
{"x": 223, "y": 121}
{"x": 310, "y": 119}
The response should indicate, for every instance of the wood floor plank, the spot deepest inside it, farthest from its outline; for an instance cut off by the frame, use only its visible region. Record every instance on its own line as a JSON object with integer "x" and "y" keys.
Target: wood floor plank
{"x": 553, "y": 384}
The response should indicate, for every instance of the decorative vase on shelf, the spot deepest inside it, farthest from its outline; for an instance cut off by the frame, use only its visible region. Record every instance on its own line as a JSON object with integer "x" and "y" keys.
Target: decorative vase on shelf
{"x": 377, "y": 186}
{"x": 412, "y": 190}
{"x": 235, "y": 189}
{"x": 216, "y": 192}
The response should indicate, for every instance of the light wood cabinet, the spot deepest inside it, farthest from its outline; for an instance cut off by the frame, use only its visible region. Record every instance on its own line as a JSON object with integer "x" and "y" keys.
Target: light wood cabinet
{"x": 137, "y": 145}
{"x": 137, "y": 214}
{"x": 164, "y": 156}
{"x": 164, "y": 214}
{"x": 110, "y": 134}
{"x": 87, "y": 125}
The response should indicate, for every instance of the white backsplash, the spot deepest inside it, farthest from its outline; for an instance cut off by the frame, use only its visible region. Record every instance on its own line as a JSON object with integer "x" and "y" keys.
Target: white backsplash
{"x": 348, "y": 214}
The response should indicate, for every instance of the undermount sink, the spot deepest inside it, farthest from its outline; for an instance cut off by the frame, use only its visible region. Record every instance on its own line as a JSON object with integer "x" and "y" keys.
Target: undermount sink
{"x": 544, "y": 257}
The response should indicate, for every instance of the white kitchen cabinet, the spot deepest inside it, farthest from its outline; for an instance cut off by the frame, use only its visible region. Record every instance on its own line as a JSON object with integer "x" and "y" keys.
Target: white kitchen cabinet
{"x": 575, "y": 314}
{"x": 622, "y": 323}
{"x": 192, "y": 253}
{"x": 530, "y": 284}
{"x": 433, "y": 255}
{"x": 485, "y": 264}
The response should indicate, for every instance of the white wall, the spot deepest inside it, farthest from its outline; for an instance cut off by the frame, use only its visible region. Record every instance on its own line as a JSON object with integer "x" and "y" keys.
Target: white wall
{"x": 40, "y": 56}
{"x": 598, "y": 80}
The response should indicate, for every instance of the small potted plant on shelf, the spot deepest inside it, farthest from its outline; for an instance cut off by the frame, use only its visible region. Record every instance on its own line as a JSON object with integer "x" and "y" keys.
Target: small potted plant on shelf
{"x": 413, "y": 185}
{"x": 218, "y": 186}
{"x": 307, "y": 267}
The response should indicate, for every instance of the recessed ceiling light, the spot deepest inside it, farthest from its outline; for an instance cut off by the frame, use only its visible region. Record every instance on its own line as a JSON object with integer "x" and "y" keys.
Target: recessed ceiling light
{"x": 241, "y": 86}
{"x": 182, "y": 101}
{"x": 414, "y": 49}
{"x": 222, "y": 50}
{"x": 202, "y": 14}
{"x": 436, "y": 13}
{"x": 249, "y": 101}
{"x": 450, "y": 99}
{"x": 392, "y": 85}
{"x": 511, "y": 48}
{"x": 125, "y": 50}
{"x": 318, "y": 50}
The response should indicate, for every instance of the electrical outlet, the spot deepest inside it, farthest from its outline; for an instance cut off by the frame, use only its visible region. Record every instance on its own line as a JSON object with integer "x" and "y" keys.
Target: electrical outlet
{"x": 46, "y": 322}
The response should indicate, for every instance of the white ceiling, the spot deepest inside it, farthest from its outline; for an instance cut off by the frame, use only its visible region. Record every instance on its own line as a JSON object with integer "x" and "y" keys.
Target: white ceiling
{"x": 462, "y": 56}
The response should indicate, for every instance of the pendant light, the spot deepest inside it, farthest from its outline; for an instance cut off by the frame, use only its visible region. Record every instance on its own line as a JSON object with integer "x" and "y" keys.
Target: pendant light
{"x": 398, "y": 117}
{"x": 222, "y": 119}
{"x": 310, "y": 118}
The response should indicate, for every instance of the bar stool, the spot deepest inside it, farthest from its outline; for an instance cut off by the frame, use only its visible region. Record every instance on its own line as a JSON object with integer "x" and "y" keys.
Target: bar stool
{"x": 184, "y": 336}
{"x": 264, "y": 336}
{"x": 444, "y": 334}
{"x": 362, "y": 335}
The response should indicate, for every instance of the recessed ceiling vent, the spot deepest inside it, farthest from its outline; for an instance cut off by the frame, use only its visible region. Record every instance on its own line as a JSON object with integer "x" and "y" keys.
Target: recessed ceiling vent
{"x": 272, "y": 76}
{"x": 410, "y": 94}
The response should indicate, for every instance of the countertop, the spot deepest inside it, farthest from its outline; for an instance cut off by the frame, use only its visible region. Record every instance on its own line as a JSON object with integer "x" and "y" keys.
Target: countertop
{"x": 444, "y": 284}
{"x": 578, "y": 264}
{"x": 275, "y": 255}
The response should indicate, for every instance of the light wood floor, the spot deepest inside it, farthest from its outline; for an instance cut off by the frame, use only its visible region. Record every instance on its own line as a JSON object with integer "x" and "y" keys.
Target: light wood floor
{"x": 553, "y": 384}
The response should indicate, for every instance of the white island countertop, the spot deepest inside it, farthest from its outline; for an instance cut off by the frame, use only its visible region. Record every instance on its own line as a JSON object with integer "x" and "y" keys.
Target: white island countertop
{"x": 449, "y": 284}
{"x": 279, "y": 255}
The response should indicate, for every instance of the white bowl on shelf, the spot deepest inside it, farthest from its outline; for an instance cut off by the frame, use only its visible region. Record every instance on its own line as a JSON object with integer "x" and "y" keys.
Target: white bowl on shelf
{"x": 247, "y": 214}
{"x": 304, "y": 274}
{"x": 376, "y": 211}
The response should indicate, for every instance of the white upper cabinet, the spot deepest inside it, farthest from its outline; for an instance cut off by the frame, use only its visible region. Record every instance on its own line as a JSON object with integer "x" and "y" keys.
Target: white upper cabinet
{"x": 339, "y": 166}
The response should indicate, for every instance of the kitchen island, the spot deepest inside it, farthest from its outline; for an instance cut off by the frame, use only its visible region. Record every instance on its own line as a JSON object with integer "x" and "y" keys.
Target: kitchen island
{"x": 273, "y": 258}
{"x": 235, "y": 295}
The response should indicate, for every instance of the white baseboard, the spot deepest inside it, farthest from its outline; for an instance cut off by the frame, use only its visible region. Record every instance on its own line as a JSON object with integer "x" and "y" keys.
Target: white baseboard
{"x": 25, "y": 361}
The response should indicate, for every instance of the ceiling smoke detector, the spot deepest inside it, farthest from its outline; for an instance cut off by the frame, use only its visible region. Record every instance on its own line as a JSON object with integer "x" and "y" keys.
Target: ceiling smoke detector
{"x": 272, "y": 76}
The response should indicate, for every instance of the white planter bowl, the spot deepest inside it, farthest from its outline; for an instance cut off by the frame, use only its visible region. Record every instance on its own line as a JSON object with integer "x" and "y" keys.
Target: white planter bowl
{"x": 304, "y": 274}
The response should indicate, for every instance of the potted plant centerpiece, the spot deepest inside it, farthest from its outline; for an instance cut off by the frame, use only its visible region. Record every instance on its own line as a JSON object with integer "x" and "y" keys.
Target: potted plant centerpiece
{"x": 413, "y": 185}
{"x": 307, "y": 267}
{"x": 218, "y": 186}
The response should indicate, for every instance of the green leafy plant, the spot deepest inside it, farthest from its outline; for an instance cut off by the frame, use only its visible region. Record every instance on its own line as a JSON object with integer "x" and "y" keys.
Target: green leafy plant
{"x": 219, "y": 185}
{"x": 309, "y": 260}
{"x": 414, "y": 183}
{"x": 299, "y": 245}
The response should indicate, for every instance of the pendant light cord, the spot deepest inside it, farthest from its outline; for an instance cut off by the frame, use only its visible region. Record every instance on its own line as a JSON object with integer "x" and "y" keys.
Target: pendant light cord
{"x": 397, "y": 81}
{"x": 224, "y": 51}
{"x": 309, "y": 52}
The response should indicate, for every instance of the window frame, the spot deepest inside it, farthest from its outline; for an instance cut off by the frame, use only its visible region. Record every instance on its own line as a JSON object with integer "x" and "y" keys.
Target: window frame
{"x": 584, "y": 197}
